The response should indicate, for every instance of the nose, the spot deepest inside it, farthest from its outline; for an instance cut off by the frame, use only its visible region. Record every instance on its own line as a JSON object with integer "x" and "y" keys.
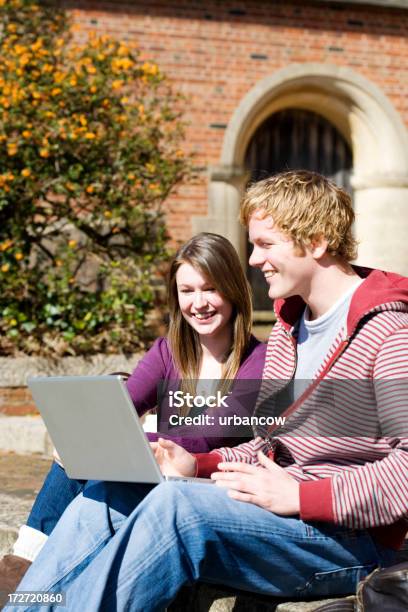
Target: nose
{"x": 200, "y": 300}
{"x": 256, "y": 259}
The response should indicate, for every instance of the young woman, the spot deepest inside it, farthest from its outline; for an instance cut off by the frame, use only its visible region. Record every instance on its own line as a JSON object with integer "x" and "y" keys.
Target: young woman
{"x": 209, "y": 338}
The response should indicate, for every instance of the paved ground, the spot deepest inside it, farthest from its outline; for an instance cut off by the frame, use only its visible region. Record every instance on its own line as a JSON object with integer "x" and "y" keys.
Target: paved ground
{"x": 21, "y": 476}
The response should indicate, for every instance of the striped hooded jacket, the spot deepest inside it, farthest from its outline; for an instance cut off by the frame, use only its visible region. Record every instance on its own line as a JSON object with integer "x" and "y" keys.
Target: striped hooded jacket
{"x": 346, "y": 438}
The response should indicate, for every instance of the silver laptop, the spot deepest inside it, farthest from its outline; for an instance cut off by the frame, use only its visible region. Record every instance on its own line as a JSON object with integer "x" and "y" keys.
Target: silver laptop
{"x": 94, "y": 426}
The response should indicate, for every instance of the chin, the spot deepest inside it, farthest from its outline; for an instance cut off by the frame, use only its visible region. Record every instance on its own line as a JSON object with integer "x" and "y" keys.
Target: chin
{"x": 274, "y": 294}
{"x": 278, "y": 295}
{"x": 202, "y": 330}
{"x": 212, "y": 331}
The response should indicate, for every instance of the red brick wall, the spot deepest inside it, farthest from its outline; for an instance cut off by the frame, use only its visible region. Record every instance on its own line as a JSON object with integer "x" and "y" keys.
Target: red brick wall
{"x": 16, "y": 401}
{"x": 216, "y": 51}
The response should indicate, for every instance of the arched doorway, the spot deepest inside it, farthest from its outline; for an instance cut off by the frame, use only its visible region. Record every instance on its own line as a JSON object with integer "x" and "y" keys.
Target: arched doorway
{"x": 365, "y": 117}
{"x": 290, "y": 139}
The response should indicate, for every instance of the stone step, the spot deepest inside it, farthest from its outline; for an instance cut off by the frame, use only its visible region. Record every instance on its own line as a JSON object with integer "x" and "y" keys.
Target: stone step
{"x": 24, "y": 434}
{"x": 28, "y": 434}
{"x": 212, "y": 598}
{"x": 262, "y": 331}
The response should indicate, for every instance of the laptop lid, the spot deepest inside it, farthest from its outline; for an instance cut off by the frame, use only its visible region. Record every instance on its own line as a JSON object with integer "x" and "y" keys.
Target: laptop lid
{"x": 94, "y": 426}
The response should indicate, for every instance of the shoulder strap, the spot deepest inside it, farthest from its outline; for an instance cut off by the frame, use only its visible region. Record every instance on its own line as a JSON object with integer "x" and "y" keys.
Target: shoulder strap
{"x": 293, "y": 407}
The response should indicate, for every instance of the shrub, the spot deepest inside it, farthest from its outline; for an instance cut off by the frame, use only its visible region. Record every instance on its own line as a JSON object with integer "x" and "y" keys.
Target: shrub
{"x": 90, "y": 142}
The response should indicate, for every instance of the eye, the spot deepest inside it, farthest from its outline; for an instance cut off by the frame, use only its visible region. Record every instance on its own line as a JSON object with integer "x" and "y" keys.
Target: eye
{"x": 209, "y": 289}
{"x": 185, "y": 291}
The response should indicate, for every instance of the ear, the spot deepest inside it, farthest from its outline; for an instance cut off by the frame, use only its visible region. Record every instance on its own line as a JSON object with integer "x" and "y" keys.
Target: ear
{"x": 318, "y": 247}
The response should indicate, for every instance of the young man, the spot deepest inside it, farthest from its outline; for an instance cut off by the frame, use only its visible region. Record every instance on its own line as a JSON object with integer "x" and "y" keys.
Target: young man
{"x": 304, "y": 511}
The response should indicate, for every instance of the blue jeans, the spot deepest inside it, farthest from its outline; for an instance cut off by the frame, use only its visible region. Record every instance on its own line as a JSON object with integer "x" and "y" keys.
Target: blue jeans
{"x": 131, "y": 547}
{"x": 55, "y": 495}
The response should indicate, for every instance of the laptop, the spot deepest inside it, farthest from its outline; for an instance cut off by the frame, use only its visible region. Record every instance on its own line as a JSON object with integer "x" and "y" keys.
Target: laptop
{"x": 96, "y": 430}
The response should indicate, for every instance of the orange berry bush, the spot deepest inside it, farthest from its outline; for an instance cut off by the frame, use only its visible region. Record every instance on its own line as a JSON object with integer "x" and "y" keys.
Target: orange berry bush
{"x": 90, "y": 148}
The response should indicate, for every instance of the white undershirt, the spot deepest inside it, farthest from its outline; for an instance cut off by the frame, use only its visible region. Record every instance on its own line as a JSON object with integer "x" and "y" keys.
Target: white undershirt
{"x": 316, "y": 337}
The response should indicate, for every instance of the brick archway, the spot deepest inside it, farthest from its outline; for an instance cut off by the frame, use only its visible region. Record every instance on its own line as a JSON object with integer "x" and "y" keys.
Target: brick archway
{"x": 370, "y": 124}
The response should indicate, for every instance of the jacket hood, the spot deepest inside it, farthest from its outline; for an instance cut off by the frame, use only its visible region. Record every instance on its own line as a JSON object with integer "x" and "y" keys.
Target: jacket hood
{"x": 379, "y": 291}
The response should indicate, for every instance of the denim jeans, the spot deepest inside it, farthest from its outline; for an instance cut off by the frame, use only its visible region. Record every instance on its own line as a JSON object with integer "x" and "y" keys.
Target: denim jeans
{"x": 55, "y": 495}
{"x": 131, "y": 547}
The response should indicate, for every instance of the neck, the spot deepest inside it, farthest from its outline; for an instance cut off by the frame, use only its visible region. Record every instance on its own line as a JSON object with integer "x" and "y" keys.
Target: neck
{"x": 328, "y": 285}
{"x": 216, "y": 347}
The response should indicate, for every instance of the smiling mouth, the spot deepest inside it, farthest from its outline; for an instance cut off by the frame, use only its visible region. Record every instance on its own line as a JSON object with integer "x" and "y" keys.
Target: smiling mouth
{"x": 270, "y": 273}
{"x": 204, "y": 316}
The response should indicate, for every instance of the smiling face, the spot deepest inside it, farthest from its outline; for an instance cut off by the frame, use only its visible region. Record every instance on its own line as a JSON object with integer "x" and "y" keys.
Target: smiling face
{"x": 286, "y": 271}
{"x": 202, "y": 306}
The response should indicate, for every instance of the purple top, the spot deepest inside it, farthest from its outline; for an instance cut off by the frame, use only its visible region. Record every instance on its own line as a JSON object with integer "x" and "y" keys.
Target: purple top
{"x": 157, "y": 366}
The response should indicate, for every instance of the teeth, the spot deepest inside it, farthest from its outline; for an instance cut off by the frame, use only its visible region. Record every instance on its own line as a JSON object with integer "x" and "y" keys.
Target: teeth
{"x": 203, "y": 315}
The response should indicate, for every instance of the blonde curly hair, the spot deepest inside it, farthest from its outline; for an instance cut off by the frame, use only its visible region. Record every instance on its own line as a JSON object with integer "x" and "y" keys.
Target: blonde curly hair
{"x": 305, "y": 206}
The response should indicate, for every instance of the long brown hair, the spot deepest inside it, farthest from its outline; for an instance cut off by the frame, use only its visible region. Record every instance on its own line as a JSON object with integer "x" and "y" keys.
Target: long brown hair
{"x": 216, "y": 259}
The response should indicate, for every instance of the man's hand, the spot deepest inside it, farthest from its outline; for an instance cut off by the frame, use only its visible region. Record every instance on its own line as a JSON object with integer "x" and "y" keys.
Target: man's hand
{"x": 269, "y": 487}
{"x": 173, "y": 459}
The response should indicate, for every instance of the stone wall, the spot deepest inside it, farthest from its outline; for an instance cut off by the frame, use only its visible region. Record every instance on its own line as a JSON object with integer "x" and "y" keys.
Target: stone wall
{"x": 15, "y": 398}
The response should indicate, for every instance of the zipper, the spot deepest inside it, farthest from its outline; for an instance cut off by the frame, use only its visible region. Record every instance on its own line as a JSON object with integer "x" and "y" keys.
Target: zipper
{"x": 268, "y": 442}
{"x": 294, "y": 347}
{"x": 307, "y": 392}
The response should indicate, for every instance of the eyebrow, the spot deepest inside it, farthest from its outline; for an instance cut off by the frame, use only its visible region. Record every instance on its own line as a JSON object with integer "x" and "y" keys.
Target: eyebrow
{"x": 187, "y": 286}
{"x": 262, "y": 239}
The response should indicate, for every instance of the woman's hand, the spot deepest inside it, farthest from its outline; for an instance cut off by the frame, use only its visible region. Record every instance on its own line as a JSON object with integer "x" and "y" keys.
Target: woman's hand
{"x": 269, "y": 487}
{"x": 56, "y": 457}
{"x": 173, "y": 459}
